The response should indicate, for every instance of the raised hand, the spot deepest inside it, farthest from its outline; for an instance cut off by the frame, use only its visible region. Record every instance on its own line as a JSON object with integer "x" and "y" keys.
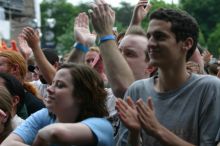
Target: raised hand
{"x": 140, "y": 11}
{"x": 31, "y": 37}
{"x": 128, "y": 114}
{"x": 147, "y": 117}
{"x": 24, "y": 49}
{"x": 207, "y": 56}
{"x": 103, "y": 17}
{"x": 193, "y": 67}
{"x": 82, "y": 33}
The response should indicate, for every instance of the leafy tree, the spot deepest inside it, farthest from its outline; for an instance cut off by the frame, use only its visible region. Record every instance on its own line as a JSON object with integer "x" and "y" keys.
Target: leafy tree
{"x": 63, "y": 13}
{"x": 206, "y": 12}
{"x": 213, "y": 41}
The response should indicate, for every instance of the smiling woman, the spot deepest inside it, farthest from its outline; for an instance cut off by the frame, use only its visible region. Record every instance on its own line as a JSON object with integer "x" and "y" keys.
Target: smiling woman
{"x": 77, "y": 97}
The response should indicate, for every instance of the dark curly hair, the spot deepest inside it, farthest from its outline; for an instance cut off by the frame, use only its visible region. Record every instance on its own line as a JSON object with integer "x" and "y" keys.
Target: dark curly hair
{"x": 183, "y": 25}
{"x": 89, "y": 87}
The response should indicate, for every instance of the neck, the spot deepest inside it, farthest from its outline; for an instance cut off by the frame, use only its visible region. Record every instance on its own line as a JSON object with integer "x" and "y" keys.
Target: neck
{"x": 68, "y": 117}
{"x": 171, "y": 79}
{"x": 13, "y": 113}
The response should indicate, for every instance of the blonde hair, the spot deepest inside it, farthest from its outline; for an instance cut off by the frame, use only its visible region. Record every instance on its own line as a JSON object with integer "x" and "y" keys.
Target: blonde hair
{"x": 96, "y": 49}
{"x": 16, "y": 58}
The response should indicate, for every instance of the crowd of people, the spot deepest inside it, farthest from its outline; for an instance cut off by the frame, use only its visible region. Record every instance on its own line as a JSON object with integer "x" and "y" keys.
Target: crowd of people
{"x": 150, "y": 86}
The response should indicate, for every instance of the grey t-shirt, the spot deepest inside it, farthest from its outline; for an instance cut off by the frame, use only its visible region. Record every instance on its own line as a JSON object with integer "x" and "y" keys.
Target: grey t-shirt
{"x": 191, "y": 111}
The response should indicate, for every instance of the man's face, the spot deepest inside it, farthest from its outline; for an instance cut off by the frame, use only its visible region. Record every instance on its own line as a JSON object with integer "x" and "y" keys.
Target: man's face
{"x": 163, "y": 49}
{"x": 133, "y": 48}
{"x": 40, "y": 75}
{"x": 90, "y": 57}
{"x": 5, "y": 66}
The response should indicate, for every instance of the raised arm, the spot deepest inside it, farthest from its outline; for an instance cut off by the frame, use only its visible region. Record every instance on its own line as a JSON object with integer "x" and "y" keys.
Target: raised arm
{"x": 83, "y": 36}
{"x": 118, "y": 72}
{"x": 24, "y": 49}
{"x": 139, "y": 13}
{"x": 33, "y": 41}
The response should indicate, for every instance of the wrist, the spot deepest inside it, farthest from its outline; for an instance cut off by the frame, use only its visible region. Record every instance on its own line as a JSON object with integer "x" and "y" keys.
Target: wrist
{"x": 159, "y": 132}
{"x": 107, "y": 38}
{"x": 81, "y": 47}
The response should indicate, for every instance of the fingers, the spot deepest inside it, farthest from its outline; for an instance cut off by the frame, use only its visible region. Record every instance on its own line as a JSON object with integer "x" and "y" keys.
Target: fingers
{"x": 121, "y": 108}
{"x": 28, "y": 32}
{"x": 98, "y": 2}
{"x": 121, "y": 105}
{"x": 130, "y": 102}
{"x": 150, "y": 103}
{"x": 82, "y": 20}
{"x": 146, "y": 6}
{"x": 141, "y": 107}
{"x": 145, "y": 109}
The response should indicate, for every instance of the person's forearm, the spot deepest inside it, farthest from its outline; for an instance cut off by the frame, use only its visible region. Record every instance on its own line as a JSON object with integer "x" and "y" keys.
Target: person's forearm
{"x": 46, "y": 68}
{"x": 8, "y": 142}
{"x": 76, "y": 56}
{"x": 118, "y": 72}
{"x": 168, "y": 138}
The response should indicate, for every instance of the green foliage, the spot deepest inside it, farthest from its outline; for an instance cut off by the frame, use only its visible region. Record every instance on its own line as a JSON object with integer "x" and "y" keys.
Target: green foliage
{"x": 207, "y": 13}
{"x": 213, "y": 41}
{"x": 201, "y": 40}
{"x": 123, "y": 16}
{"x": 63, "y": 13}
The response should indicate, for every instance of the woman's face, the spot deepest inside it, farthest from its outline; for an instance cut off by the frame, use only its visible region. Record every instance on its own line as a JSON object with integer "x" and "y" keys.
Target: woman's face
{"x": 60, "y": 98}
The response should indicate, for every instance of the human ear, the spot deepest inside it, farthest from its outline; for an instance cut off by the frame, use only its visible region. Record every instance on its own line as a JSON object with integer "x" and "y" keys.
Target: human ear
{"x": 187, "y": 44}
{"x": 15, "y": 100}
{"x": 15, "y": 69}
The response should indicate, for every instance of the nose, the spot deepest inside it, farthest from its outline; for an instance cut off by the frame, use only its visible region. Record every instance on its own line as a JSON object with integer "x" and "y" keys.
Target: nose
{"x": 50, "y": 89}
{"x": 151, "y": 43}
{"x": 90, "y": 62}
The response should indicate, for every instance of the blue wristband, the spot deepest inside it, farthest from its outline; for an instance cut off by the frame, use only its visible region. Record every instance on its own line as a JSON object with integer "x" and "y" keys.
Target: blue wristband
{"x": 106, "y": 38}
{"x": 81, "y": 47}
